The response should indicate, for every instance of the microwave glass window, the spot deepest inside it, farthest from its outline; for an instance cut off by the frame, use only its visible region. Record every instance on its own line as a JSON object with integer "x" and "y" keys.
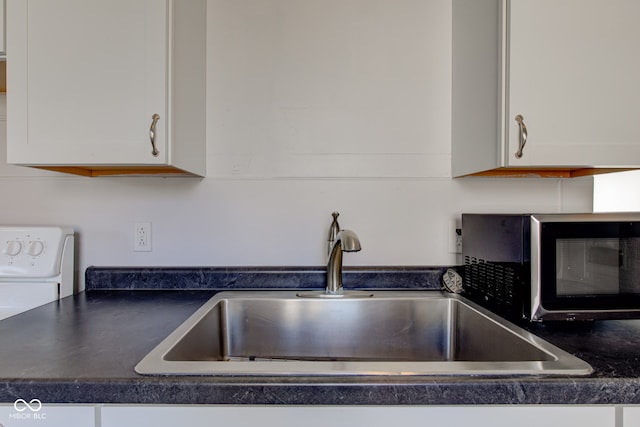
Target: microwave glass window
{"x": 597, "y": 266}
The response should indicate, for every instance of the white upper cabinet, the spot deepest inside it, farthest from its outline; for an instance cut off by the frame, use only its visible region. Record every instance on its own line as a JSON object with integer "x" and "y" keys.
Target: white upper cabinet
{"x": 569, "y": 68}
{"x": 2, "y": 26}
{"x": 94, "y": 85}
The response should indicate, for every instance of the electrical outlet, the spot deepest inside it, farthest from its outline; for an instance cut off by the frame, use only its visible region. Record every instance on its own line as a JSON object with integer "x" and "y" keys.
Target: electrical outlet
{"x": 142, "y": 237}
{"x": 455, "y": 237}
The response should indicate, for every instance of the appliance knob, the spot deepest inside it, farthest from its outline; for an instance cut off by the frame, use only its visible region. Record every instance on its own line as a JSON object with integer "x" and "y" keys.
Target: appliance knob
{"x": 13, "y": 248}
{"x": 35, "y": 248}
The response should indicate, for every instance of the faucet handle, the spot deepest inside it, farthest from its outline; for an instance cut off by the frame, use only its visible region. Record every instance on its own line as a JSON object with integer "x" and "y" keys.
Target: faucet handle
{"x": 334, "y": 229}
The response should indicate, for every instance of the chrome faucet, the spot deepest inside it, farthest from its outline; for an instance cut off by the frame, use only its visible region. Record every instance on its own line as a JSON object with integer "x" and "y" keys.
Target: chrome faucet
{"x": 345, "y": 241}
{"x": 339, "y": 241}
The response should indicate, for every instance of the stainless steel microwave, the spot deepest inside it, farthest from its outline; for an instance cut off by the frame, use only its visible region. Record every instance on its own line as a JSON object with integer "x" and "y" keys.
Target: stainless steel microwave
{"x": 553, "y": 266}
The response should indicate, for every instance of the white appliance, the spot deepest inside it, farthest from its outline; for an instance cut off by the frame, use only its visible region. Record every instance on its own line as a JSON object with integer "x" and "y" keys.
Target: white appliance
{"x": 36, "y": 267}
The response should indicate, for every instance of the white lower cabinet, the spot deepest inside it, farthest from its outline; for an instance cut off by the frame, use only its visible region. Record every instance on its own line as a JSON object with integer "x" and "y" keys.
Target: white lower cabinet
{"x": 58, "y": 415}
{"x": 631, "y": 416}
{"x": 34, "y": 413}
{"x": 356, "y": 416}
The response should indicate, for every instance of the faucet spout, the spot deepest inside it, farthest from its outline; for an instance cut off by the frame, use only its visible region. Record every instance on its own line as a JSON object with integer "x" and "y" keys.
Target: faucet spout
{"x": 345, "y": 241}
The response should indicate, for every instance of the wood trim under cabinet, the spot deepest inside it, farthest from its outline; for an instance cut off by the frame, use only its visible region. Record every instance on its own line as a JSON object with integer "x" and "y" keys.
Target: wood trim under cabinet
{"x": 546, "y": 173}
{"x": 3, "y": 76}
{"x": 95, "y": 171}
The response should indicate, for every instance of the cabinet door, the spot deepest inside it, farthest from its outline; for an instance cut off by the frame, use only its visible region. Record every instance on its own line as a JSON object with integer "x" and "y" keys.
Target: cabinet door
{"x": 86, "y": 77}
{"x": 631, "y": 416}
{"x": 319, "y": 416}
{"x": 573, "y": 76}
{"x": 34, "y": 413}
{"x": 2, "y": 25}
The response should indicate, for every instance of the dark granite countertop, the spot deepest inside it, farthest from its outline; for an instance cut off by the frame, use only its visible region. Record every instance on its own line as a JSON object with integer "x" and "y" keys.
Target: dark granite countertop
{"x": 83, "y": 349}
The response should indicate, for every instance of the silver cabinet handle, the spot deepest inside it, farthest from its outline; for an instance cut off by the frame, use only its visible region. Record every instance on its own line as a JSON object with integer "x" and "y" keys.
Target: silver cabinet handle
{"x": 523, "y": 135}
{"x": 152, "y": 134}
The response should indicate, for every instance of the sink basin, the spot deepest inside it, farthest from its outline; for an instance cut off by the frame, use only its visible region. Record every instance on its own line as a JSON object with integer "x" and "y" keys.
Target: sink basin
{"x": 388, "y": 333}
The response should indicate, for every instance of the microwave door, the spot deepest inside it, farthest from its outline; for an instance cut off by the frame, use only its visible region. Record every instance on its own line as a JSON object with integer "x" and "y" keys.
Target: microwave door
{"x": 587, "y": 266}
{"x": 630, "y": 266}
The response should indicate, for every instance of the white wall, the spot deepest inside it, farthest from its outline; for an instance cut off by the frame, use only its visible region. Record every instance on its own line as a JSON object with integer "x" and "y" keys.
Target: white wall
{"x": 617, "y": 192}
{"x": 312, "y": 107}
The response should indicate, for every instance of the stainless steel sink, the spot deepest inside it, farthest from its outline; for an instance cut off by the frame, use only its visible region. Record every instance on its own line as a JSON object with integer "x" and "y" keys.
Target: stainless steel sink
{"x": 389, "y": 333}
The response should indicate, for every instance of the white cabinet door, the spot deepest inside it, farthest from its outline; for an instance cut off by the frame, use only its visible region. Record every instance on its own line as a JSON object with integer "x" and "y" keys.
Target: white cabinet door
{"x": 2, "y": 31}
{"x": 631, "y": 416}
{"x": 345, "y": 416}
{"x": 34, "y": 413}
{"x": 92, "y": 74}
{"x": 568, "y": 67}
{"x": 87, "y": 77}
{"x": 574, "y": 77}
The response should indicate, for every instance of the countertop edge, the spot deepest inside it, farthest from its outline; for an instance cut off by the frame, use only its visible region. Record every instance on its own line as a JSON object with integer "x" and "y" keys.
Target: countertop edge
{"x": 181, "y": 391}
